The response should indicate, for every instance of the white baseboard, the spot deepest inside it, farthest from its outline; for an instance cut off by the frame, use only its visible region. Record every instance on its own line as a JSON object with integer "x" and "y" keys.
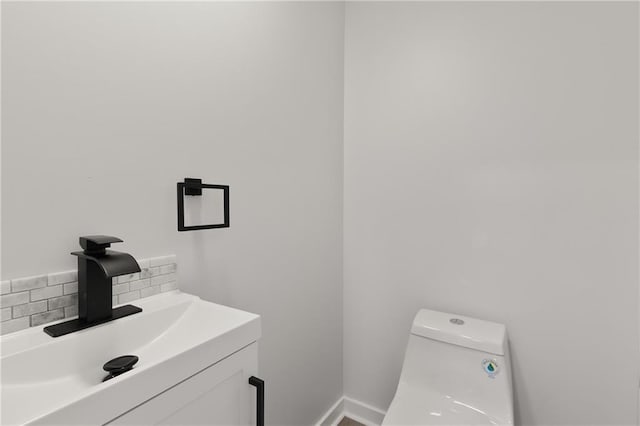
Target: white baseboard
{"x": 334, "y": 415}
{"x": 363, "y": 413}
{"x": 354, "y": 409}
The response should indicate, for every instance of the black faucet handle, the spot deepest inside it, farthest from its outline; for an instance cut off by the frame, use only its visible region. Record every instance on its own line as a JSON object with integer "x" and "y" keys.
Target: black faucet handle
{"x": 97, "y": 244}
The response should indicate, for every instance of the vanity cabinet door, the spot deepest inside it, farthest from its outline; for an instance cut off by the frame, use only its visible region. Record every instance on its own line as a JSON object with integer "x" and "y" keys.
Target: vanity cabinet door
{"x": 218, "y": 395}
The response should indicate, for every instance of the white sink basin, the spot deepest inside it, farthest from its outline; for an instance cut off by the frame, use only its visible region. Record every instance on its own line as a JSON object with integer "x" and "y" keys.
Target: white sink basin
{"x": 49, "y": 380}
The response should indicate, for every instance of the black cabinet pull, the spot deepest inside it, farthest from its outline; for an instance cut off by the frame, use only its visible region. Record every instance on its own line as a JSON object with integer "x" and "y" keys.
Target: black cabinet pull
{"x": 259, "y": 384}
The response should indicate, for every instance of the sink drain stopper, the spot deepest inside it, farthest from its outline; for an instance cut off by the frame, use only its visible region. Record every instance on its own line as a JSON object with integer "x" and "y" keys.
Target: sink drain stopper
{"x": 119, "y": 365}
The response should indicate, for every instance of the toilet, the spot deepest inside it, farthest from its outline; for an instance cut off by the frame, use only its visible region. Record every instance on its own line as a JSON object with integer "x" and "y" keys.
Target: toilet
{"x": 456, "y": 371}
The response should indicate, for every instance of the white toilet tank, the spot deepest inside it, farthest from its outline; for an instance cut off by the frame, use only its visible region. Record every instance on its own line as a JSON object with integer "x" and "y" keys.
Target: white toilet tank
{"x": 456, "y": 371}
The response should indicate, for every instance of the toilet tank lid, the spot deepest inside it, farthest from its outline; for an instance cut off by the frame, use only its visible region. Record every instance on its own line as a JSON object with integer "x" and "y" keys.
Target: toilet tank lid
{"x": 459, "y": 330}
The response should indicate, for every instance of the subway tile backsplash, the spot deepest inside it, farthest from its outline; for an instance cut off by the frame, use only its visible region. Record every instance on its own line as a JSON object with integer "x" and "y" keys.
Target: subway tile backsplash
{"x": 32, "y": 301}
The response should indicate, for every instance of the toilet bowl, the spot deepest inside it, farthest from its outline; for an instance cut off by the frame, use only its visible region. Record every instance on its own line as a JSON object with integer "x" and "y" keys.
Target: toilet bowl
{"x": 456, "y": 371}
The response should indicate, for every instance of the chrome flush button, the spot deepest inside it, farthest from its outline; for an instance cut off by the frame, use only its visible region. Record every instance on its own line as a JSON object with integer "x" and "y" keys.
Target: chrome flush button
{"x": 456, "y": 321}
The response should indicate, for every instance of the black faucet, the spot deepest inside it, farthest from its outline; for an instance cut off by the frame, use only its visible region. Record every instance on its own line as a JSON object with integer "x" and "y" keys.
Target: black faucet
{"x": 96, "y": 267}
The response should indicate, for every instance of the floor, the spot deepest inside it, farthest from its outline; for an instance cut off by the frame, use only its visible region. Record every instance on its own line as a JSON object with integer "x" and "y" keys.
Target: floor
{"x": 346, "y": 421}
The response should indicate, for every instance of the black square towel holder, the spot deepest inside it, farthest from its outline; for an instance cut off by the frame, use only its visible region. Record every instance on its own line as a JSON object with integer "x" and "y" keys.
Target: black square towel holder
{"x": 193, "y": 187}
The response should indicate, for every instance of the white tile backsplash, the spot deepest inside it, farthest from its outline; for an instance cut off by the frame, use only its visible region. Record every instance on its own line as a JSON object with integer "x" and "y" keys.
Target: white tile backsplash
{"x": 46, "y": 293}
{"x": 129, "y": 277}
{"x": 172, "y": 285}
{"x": 5, "y": 314}
{"x": 13, "y": 299}
{"x": 29, "y": 309}
{"x": 70, "y": 288}
{"x": 62, "y": 277}
{"x": 128, "y": 297}
{"x": 45, "y": 317}
{"x": 29, "y": 283}
{"x": 140, "y": 284}
{"x": 63, "y": 301}
{"x": 33, "y": 301}
{"x": 71, "y": 311}
{"x": 167, "y": 269}
{"x": 163, "y": 279}
{"x": 121, "y": 288}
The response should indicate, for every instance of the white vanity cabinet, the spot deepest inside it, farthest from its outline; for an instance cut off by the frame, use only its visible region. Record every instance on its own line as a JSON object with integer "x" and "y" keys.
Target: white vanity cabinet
{"x": 197, "y": 366}
{"x": 218, "y": 395}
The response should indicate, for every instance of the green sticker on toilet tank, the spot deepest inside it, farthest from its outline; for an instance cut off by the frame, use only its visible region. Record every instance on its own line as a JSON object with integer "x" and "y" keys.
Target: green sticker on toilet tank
{"x": 490, "y": 367}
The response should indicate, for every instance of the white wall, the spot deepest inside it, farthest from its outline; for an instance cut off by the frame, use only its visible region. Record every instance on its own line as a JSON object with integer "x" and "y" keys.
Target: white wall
{"x": 107, "y": 105}
{"x": 491, "y": 170}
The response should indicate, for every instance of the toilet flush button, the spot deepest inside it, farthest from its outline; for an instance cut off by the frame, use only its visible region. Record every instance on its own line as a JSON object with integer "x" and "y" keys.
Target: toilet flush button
{"x": 456, "y": 321}
{"x": 490, "y": 367}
